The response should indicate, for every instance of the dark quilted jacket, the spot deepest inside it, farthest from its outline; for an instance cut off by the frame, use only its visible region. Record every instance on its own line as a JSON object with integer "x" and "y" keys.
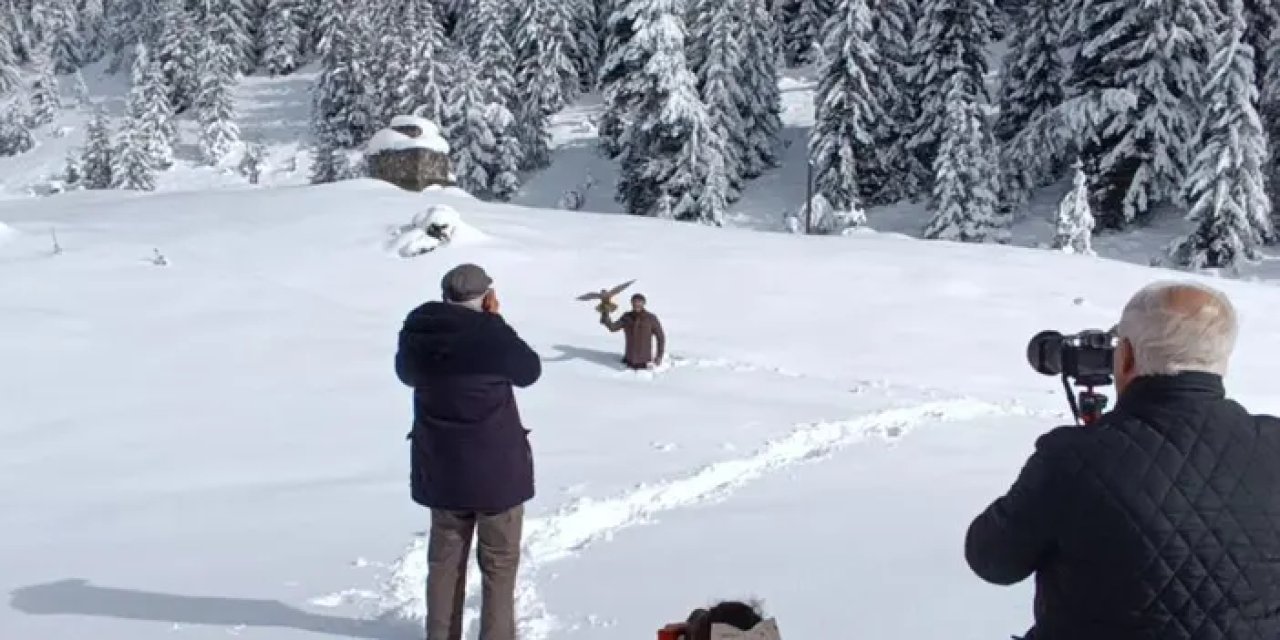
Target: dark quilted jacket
{"x": 1162, "y": 521}
{"x": 469, "y": 449}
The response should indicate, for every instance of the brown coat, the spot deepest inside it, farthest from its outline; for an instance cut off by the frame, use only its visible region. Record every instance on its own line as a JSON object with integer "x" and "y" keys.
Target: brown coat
{"x": 640, "y": 330}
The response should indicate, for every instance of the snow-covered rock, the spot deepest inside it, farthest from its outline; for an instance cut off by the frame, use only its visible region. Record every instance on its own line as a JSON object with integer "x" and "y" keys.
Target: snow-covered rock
{"x": 439, "y": 226}
{"x": 389, "y": 139}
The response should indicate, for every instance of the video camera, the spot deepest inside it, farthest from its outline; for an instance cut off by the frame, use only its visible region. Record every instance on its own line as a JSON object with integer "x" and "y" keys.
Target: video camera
{"x": 1083, "y": 359}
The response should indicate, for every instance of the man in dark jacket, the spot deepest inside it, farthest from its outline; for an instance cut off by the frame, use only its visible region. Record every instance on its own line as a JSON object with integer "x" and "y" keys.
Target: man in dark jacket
{"x": 1162, "y": 520}
{"x": 640, "y": 328}
{"x": 471, "y": 463}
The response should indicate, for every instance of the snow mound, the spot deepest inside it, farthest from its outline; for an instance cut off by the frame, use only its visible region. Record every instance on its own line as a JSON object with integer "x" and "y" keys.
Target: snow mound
{"x": 6, "y": 232}
{"x": 389, "y": 139}
{"x": 439, "y": 226}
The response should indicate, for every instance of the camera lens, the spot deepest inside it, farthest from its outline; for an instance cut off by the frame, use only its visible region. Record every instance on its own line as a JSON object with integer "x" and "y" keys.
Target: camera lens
{"x": 1044, "y": 352}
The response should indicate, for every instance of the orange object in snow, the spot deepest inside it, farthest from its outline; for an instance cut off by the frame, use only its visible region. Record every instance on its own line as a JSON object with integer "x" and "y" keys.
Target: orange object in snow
{"x": 673, "y": 631}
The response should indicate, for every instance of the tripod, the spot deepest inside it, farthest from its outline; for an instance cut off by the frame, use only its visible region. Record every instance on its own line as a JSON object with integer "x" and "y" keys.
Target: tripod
{"x": 1088, "y": 407}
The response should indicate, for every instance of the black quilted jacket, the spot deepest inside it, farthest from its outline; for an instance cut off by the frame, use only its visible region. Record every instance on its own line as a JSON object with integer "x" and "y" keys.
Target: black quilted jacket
{"x": 1162, "y": 521}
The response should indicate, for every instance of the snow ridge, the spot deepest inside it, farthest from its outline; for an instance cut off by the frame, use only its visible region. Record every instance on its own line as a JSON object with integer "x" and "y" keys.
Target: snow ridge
{"x": 585, "y": 522}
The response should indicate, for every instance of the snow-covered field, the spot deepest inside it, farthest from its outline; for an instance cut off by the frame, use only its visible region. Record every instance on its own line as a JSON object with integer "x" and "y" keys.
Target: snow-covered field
{"x": 214, "y": 446}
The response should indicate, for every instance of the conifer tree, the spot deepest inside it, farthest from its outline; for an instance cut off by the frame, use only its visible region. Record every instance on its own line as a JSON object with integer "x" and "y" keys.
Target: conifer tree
{"x": 15, "y": 136}
{"x": 1226, "y": 186}
{"x": 720, "y": 37}
{"x": 546, "y": 74}
{"x": 281, "y": 37}
{"x": 951, "y": 48}
{"x": 229, "y": 24}
{"x": 9, "y": 78}
{"x": 671, "y": 149}
{"x": 1075, "y": 220}
{"x": 148, "y": 117}
{"x": 621, "y": 83}
{"x": 215, "y": 102}
{"x": 55, "y": 24}
{"x": 330, "y": 162}
{"x": 435, "y": 76}
{"x": 1138, "y": 157}
{"x": 472, "y": 145}
{"x": 96, "y": 165}
{"x": 340, "y": 115}
{"x": 964, "y": 194}
{"x": 177, "y": 52}
{"x": 586, "y": 47}
{"x": 893, "y": 27}
{"x": 489, "y": 46}
{"x": 134, "y": 168}
{"x": 846, "y": 110}
{"x": 43, "y": 97}
{"x": 758, "y": 78}
{"x": 1032, "y": 86}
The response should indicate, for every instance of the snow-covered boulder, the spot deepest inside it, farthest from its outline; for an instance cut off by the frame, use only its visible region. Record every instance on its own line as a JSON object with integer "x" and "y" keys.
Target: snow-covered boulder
{"x": 439, "y": 226}
{"x": 410, "y": 153}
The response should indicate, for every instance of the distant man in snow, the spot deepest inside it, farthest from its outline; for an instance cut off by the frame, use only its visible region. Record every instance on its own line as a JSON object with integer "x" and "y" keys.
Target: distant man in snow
{"x": 1162, "y": 520}
{"x": 471, "y": 462}
{"x": 641, "y": 328}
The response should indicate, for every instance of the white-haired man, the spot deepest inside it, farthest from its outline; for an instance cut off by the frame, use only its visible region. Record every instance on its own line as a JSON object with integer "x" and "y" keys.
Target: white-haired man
{"x": 1161, "y": 520}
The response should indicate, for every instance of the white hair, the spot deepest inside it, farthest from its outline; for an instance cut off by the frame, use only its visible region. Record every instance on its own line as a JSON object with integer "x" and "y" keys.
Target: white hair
{"x": 1168, "y": 338}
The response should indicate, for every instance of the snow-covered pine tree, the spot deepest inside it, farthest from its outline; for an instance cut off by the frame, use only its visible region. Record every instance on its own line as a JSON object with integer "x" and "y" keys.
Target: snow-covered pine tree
{"x": 951, "y": 50}
{"x": 280, "y": 38}
{"x": 9, "y": 78}
{"x": 1034, "y": 72}
{"x": 1138, "y": 157}
{"x": 1031, "y": 86}
{"x": 671, "y": 148}
{"x": 964, "y": 193}
{"x": 15, "y": 135}
{"x": 44, "y": 97}
{"x": 801, "y": 27}
{"x": 504, "y": 172}
{"x": 134, "y": 166}
{"x": 545, "y": 72}
{"x": 471, "y": 142}
{"x": 1263, "y": 19}
{"x": 1269, "y": 108}
{"x": 409, "y": 50}
{"x": 55, "y": 24}
{"x": 758, "y": 77}
{"x": 621, "y": 85}
{"x": 96, "y": 165}
{"x": 586, "y": 53}
{"x": 1075, "y": 220}
{"x": 229, "y": 25}
{"x": 91, "y": 25}
{"x": 148, "y": 115}
{"x": 846, "y": 109}
{"x": 1226, "y": 185}
{"x": 487, "y": 42}
{"x": 893, "y": 26}
{"x": 340, "y": 110}
{"x": 719, "y": 39}
{"x": 215, "y": 103}
{"x": 178, "y": 51}
{"x": 329, "y": 164}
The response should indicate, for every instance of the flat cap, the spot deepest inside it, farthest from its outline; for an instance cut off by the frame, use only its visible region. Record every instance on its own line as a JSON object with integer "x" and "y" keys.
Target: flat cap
{"x": 465, "y": 282}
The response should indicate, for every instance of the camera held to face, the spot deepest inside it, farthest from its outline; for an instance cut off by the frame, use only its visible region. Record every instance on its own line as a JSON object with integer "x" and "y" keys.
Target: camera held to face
{"x": 1084, "y": 359}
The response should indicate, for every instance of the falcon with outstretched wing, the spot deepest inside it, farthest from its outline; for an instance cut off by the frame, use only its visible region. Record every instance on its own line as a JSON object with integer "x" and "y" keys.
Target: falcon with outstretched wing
{"x": 605, "y": 296}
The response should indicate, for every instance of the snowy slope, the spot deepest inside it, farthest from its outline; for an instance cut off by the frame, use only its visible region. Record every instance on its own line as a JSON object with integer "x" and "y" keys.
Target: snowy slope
{"x": 214, "y": 447}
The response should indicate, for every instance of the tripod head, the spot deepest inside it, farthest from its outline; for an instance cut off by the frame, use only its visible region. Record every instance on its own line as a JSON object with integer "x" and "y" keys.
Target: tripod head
{"x": 1088, "y": 405}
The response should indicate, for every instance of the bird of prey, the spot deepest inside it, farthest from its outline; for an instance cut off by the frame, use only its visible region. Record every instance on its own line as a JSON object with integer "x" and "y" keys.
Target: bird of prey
{"x": 606, "y": 296}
